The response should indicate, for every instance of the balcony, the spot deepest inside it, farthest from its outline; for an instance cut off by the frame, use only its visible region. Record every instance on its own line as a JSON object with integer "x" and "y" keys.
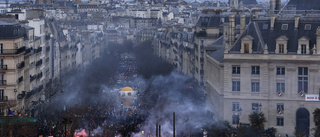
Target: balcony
{"x": 22, "y": 95}
{"x": 39, "y": 50}
{"x": 32, "y": 78}
{"x": 28, "y": 51}
{"x": 3, "y": 67}
{"x": 3, "y": 82}
{"x": 4, "y": 99}
{"x": 39, "y": 75}
{"x": 201, "y": 59}
{"x": 20, "y": 65}
{"x": 39, "y": 62}
{"x": 12, "y": 51}
{"x": 20, "y": 79}
{"x": 47, "y": 49}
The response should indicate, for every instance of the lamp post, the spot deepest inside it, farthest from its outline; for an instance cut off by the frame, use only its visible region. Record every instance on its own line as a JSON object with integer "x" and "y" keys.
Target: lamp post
{"x": 238, "y": 112}
{"x": 260, "y": 106}
{"x": 55, "y": 90}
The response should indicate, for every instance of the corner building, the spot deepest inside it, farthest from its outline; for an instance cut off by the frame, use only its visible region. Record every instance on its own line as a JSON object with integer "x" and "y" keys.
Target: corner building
{"x": 271, "y": 67}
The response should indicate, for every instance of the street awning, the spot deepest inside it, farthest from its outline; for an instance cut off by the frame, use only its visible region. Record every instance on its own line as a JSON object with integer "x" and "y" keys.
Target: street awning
{"x": 17, "y": 120}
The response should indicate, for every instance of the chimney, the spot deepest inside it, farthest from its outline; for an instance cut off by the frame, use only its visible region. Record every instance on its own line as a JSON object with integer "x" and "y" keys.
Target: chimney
{"x": 265, "y": 49}
{"x": 272, "y": 20}
{"x": 231, "y": 29}
{"x": 278, "y": 5}
{"x": 296, "y": 21}
{"x": 225, "y": 32}
{"x": 272, "y": 6}
{"x": 318, "y": 41}
{"x": 242, "y": 23}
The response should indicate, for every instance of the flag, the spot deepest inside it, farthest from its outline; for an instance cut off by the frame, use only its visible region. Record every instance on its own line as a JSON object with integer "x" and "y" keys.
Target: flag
{"x": 301, "y": 93}
{"x": 279, "y": 111}
{"x": 280, "y": 93}
{"x": 10, "y": 112}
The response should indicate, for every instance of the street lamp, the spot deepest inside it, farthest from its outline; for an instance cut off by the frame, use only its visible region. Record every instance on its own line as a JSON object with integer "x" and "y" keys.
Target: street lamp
{"x": 260, "y": 106}
{"x": 238, "y": 113}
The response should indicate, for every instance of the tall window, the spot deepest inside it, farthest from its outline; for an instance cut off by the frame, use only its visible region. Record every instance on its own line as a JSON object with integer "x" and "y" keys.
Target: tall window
{"x": 281, "y": 48}
{"x": 280, "y": 86}
{"x": 235, "y": 119}
{"x": 279, "y": 121}
{"x": 255, "y": 70}
{"x": 303, "y": 49}
{"x": 280, "y": 107}
{"x": 1, "y": 111}
{"x": 255, "y": 107}
{"x": 281, "y": 70}
{"x": 236, "y": 85}
{"x": 235, "y": 106}
{"x": 235, "y": 69}
{"x": 1, "y": 94}
{"x": 246, "y": 47}
{"x": 303, "y": 79}
{"x": 284, "y": 27}
{"x": 255, "y": 86}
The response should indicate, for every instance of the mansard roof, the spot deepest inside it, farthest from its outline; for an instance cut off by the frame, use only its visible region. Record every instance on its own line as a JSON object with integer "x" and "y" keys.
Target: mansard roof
{"x": 218, "y": 20}
{"x": 262, "y": 33}
{"x": 247, "y": 2}
{"x": 303, "y": 5}
{"x": 12, "y": 30}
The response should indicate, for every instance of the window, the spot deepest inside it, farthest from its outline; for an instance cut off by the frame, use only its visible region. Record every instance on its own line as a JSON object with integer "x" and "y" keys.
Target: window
{"x": 281, "y": 48}
{"x": 235, "y": 119}
{"x": 284, "y": 27}
{"x": 1, "y": 94}
{"x": 279, "y": 121}
{"x": 307, "y": 27}
{"x": 303, "y": 49}
{"x": 281, "y": 86}
{"x": 281, "y": 71}
{"x": 235, "y": 69}
{"x": 255, "y": 70}
{"x": 255, "y": 107}
{"x": 280, "y": 107}
{"x": 246, "y": 47}
{"x": 236, "y": 85}
{"x": 255, "y": 86}
{"x": 1, "y": 111}
{"x": 303, "y": 79}
{"x": 265, "y": 26}
{"x": 235, "y": 106}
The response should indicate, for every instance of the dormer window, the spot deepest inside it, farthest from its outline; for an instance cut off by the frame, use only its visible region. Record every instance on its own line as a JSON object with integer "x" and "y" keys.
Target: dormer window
{"x": 265, "y": 26}
{"x": 246, "y": 47}
{"x": 284, "y": 27}
{"x": 281, "y": 45}
{"x": 246, "y": 44}
{"x": 307, "y": 27}
{"x": 303, "y": 49}
{"x": 303, "y": 45}
{"x": 281, "y": 48}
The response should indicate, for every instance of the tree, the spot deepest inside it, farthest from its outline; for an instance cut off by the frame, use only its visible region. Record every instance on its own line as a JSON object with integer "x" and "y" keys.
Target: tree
{"x": 316, "y": 119}
{"x": 299, "y": 133}
{"x": 221, "y": 129}
{"x": 257, "y": 120}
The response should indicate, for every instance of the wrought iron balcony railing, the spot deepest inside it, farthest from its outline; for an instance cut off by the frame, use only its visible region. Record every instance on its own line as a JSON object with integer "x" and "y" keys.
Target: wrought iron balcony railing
{"x": 12, "y": 51}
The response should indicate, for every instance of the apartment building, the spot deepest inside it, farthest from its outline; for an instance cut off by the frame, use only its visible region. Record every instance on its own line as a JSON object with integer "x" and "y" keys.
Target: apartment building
{"x": 12, "y": 50}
